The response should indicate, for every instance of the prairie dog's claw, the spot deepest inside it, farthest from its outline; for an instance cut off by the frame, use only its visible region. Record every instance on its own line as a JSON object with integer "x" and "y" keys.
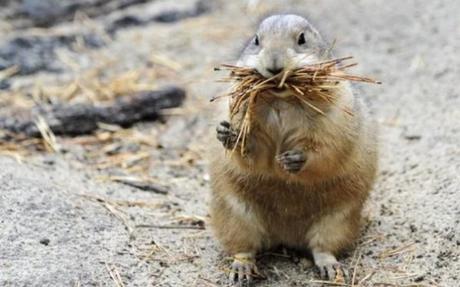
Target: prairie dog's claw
{"x": 292, "y": 160}
{"x": 226, "y": 135}
{"x": 329, "y": 268}
{"x": 243, "y": 270}
{"x": 334, "y": 272}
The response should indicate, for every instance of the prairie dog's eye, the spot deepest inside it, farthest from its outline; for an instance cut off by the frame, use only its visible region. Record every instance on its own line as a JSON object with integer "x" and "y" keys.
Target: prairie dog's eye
{"x": 256, "y": 40}
{"x": 301, "y": 39}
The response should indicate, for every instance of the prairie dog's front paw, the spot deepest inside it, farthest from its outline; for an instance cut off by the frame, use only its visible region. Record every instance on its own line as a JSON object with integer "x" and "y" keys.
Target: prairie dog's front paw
{"x": 292, "y": 160}
{"x": 226, "y": 135}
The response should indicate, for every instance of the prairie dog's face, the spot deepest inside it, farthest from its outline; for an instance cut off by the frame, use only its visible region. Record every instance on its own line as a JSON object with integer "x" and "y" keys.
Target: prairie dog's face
{"x": 282, "y": 42}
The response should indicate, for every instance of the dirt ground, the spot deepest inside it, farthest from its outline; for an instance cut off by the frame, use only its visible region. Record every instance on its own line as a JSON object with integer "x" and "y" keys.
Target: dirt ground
{"x": 62, "y": 223}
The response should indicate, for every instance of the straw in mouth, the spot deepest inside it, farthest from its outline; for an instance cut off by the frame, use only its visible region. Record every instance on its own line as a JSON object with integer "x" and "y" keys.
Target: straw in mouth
{"x": 315, "y": 82}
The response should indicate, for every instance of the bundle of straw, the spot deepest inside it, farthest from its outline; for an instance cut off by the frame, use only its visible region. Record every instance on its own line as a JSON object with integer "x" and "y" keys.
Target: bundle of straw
{"x": 310, "y": 83}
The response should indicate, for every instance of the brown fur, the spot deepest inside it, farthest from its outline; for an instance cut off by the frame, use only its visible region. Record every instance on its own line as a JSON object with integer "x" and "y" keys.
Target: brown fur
{"x": 255, "y": 204}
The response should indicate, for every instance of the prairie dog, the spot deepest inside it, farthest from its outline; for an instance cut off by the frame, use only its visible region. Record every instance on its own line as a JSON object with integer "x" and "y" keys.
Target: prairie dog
{"x": 306, "y": 176}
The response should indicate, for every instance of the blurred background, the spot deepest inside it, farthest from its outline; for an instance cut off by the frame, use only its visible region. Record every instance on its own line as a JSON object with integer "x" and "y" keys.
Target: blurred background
{"x": 105, "y": 123}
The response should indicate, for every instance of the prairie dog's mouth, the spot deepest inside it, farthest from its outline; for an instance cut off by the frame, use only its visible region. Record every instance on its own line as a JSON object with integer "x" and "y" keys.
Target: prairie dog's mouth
{"x": 280, "y": 92}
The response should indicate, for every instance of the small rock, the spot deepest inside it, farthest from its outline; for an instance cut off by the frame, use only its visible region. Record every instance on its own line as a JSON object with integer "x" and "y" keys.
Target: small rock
{"x": 32, "y": 54}
{"x": 4, "y": 85}
{"x": 49, "y": 161}
{"x": 43, "y": 11}
{"x": 45, "y": 241}
{"x": 412, "y": 137}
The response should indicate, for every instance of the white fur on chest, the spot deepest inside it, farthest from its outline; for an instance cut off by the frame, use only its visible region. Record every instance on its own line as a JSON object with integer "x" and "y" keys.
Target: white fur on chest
{"x": 282, "y": 118}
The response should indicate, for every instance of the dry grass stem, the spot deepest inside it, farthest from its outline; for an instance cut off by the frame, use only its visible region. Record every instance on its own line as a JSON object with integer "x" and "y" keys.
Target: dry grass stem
{"x": 367, "y": 277}
{"x": 146, "y": 184}
{"x": 397, "y": 251}
{"x": 48, "y": 136}
{"x": 115, "y": 275}
{"x": 15, "y": 155}
{"x": 176, "y": 226}
{"x": 328, "y": 283}
{"x": 355, "y": 269}
{"x": 112, "y": 208}
{"x": 206, "y": 281}
{"x": 9, "y": 72}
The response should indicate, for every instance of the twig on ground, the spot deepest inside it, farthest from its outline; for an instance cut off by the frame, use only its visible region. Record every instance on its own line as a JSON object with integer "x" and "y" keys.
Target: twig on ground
{"x": 355, "y": 269}
{"x": 169, "y": 226}
{"x": 78, "y": 119}
{"x": 140, "y": 183}
{"x": 49, "y": 139}
{"x": 330, "y": 283}
{"x": 115, "y": 275}
{"x": 397, "y": 251}
{"x": 207, "y": 281}
{"x": 115, "y": 212}
{"x": 367, "y": 277}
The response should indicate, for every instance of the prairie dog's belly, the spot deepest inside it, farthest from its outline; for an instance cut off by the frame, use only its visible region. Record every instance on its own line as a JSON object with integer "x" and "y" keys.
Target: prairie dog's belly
{"x": 281, "y": 126}
{"x": 284, "y": 211}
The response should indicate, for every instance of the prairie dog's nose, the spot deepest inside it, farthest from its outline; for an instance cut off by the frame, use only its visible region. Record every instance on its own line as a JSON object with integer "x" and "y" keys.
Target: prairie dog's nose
{"x": 275, "y": 63}
{"x": 275, "y": 70}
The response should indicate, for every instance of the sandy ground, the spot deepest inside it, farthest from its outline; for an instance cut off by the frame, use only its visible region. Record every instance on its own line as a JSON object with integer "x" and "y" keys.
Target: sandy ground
{"x": 62, "y": 225}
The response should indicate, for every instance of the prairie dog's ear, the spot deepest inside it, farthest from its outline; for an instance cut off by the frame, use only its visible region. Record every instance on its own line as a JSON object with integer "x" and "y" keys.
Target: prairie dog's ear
{"x": 314, "y": 33}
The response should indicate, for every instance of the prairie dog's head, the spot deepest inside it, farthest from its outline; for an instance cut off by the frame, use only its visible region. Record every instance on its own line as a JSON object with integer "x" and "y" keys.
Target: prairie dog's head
{"x": 282, "y": 42}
